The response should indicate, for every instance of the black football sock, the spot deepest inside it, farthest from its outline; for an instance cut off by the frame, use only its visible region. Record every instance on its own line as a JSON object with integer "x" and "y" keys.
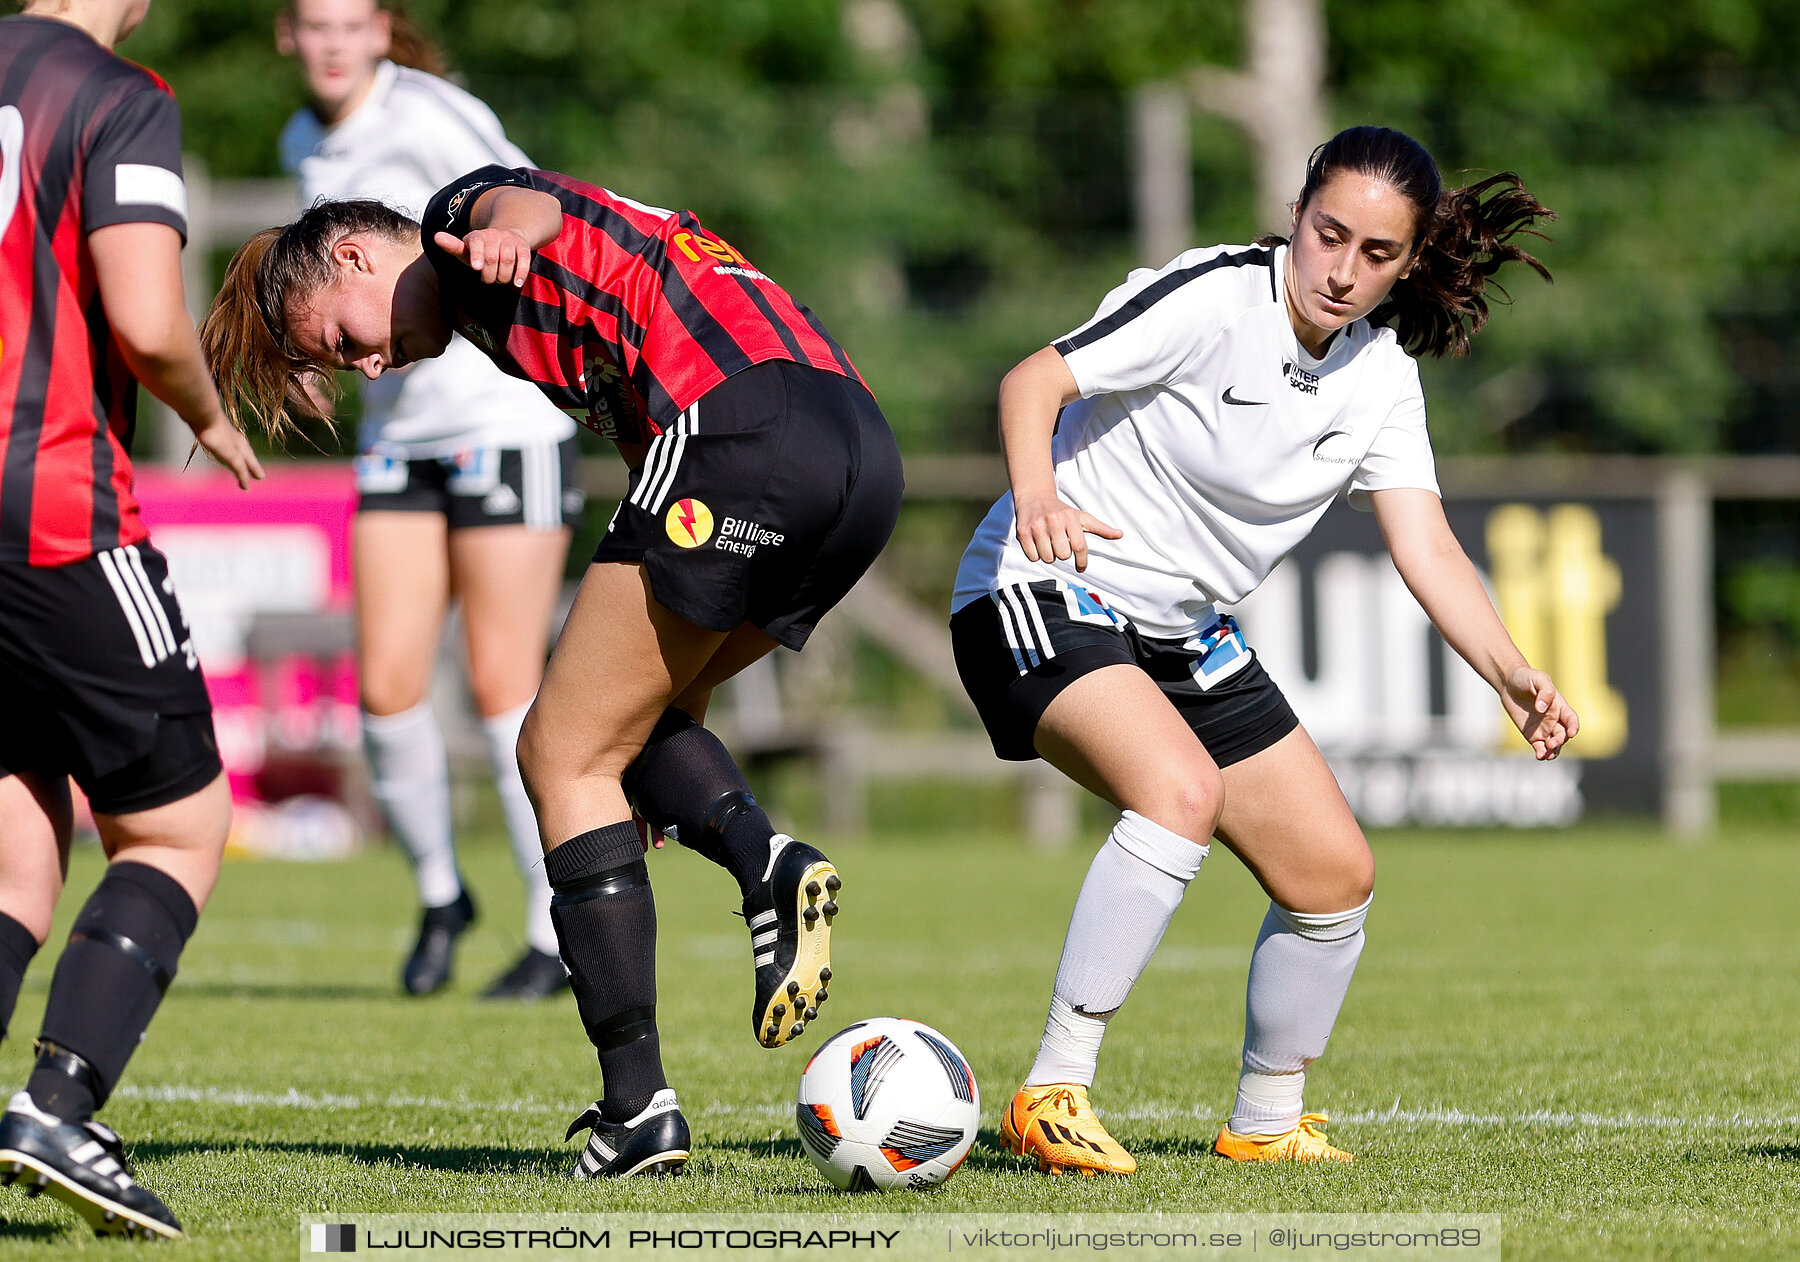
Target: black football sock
{"x": 605, "y": 918}
{"x": 685, "y": 777}
{"x": 120, "y": 959}
{"x": 17, "y": 946}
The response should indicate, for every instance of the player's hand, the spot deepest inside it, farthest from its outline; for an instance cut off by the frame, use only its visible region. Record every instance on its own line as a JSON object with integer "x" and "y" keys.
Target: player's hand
{"x": 1050, "y": 530}
{"x": 1541, "y": 714}
{"x": 227, "y": 446}
{"x": 649, "y": 834}
{"x": 500, "y": 255}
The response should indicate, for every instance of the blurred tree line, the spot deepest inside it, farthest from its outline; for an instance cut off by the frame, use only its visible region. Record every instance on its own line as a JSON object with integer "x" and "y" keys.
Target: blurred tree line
{"x": 947, "y": 182}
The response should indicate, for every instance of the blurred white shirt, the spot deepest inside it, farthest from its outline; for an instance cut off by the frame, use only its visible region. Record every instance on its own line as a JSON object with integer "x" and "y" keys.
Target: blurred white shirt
{"x": 414, "y": 134}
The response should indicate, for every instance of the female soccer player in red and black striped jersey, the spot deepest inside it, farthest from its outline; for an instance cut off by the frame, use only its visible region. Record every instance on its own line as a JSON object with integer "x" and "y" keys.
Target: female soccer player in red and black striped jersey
{"x": 98, "y": 677}
{"x": 765, "y": 481}
{"x": 464, "y": 485}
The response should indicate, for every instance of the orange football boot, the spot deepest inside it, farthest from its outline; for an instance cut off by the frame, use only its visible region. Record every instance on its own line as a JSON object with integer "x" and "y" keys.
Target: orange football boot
{"x": 1306, "y": 1142}
{"x": 1057, "y": 1125}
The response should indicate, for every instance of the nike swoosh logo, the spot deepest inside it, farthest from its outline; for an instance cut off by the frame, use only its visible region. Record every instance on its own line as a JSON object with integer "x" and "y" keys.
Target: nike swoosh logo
{"x": 1243, "y": 403}
{"x": 1098, "y": 1016}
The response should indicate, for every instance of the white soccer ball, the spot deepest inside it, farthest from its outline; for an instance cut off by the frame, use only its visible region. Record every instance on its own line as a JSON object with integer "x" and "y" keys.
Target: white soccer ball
{"x": 888, "y": 1103}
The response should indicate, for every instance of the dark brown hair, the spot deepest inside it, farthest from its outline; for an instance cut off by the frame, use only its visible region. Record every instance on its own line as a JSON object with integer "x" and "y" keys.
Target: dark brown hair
{"x": 409, "y": 45}
{"x": 1461, "y": 237}
{"x": 262, "y": 375}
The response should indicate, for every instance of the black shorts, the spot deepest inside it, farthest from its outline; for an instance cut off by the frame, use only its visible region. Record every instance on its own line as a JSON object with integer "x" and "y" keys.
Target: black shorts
{"x": 1018, "y": 647}
{"x": 538, "y": 486}
{"x": 99, "y": 681}
{"x": 763, "y": 503}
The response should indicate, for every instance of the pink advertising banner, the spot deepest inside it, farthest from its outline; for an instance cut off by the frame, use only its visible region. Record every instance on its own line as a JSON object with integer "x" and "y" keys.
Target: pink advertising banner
{"x": 285, "y": 705}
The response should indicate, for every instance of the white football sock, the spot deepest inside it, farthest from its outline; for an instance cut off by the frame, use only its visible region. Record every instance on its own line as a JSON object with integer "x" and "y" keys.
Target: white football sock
{"x": 1131, "y": 892}
{"x": 411, "y": 776}
{"x": 521, "y": 823}
{"x": 1299, "y": 975}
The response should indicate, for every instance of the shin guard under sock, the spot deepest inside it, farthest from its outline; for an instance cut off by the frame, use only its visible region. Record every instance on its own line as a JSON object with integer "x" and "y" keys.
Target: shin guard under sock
{"x": 1132, "y": 889}
{"x": 605, "y": 919}
{"x": 17, "y": 946}
{"x": 120, "y": 959}
{"x": 686, "y": 779}
{"x": 1300, "y": 972}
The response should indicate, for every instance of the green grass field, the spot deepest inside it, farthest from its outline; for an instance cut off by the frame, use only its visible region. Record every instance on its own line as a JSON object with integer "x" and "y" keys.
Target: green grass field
{"x": 1592, "y": 1035}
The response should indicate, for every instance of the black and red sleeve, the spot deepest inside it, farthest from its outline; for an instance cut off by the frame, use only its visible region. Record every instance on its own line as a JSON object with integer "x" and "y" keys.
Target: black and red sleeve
{"x": 459, "y": 288}
{"x": 450, "y": 208}
{"x": 133, "y": 164}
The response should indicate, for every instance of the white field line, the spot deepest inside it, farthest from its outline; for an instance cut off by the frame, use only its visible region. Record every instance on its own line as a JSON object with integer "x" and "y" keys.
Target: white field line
{"x": 292, "y": 1099}
{"x": 1554, "y": 1118}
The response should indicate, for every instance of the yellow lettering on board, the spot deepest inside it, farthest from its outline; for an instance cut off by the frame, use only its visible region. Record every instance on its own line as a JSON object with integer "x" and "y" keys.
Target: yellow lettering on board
{"x": 1555, "y": 585}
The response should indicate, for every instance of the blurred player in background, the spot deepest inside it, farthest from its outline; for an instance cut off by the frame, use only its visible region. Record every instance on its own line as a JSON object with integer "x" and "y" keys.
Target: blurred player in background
{"x": 1197, "y": 428}
{"x": 764, "y": 482}
{"x": 98, "y": 677}
{"x": 467, "y": 481}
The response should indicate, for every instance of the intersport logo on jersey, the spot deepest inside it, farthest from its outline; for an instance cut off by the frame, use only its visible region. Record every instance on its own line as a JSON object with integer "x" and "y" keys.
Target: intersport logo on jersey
{"x": 1299, "y": 379}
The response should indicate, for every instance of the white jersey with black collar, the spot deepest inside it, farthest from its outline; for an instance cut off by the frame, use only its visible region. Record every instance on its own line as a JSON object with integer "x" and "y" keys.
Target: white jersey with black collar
{"x": 1210, "y": 437}
{"x": 414, "y": 134}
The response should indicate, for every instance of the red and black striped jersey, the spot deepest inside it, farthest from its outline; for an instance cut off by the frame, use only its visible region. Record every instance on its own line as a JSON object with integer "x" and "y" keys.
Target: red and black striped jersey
{"x": 630, "y": 315}
{"x": 86, "y": 140}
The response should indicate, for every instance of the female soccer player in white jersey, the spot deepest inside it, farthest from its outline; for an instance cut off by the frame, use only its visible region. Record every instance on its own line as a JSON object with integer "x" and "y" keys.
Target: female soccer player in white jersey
{"x": 1210, "y": 414}
{"x": 466, "y": 479}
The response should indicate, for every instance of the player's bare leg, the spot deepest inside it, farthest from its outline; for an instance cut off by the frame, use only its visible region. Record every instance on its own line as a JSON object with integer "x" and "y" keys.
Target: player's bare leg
{"x": 401, "y": 570}
{"x": 1286, "y": 818}
{"x": 1114, "y": 732}
{"x": 620, "y": 659}
{"x": 121, "y": 956}
{"x": 37, "y": 820}
{"x": 184, "y": 839}
{"x": 508, "y": 579}
{"x": 402, "y": 593}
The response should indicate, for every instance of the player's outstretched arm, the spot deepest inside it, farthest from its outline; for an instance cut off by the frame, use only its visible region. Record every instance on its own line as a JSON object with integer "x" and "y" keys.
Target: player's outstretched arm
{"x": 1030, "y": 397}
{"x": 509, "y": 223}
{"x": 1444, "y": 581}
{"x": 138, "y": 268}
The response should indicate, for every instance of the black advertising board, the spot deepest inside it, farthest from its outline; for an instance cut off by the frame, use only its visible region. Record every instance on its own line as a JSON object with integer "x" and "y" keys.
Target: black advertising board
{"x": 1412, "y": 732}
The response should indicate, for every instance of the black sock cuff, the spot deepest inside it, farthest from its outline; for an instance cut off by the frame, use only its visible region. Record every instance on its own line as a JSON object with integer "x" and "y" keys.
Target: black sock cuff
{"x": 594, "y": 852}
{"x": 161, "y": 888}
{"x": 672, "y": 722}
{"x": 17, "y": 944}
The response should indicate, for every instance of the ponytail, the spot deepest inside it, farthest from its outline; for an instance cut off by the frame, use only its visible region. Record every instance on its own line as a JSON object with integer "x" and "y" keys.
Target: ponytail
{"x": 410, "y": 46}
{"x": 262, "y": 375}
{"x": 1461, "y": 236}
{"x": 1443, "y": 303}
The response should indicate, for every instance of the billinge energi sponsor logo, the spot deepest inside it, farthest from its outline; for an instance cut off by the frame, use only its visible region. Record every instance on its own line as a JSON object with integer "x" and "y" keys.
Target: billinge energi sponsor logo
{"x": 689, "y": 523}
